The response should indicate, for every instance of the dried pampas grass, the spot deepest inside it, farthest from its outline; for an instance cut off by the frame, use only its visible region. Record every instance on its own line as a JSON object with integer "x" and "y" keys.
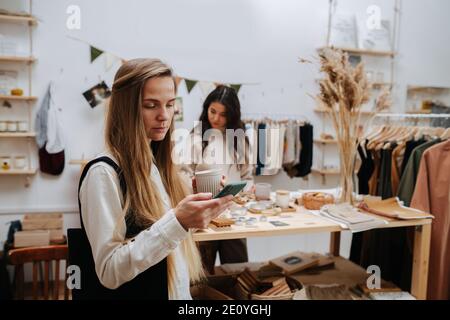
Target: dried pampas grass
{"x": 343, "y": 92}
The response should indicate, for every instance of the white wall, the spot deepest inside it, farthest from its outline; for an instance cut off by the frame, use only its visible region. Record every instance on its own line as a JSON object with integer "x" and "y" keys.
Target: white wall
{"x": 257, "y": 41}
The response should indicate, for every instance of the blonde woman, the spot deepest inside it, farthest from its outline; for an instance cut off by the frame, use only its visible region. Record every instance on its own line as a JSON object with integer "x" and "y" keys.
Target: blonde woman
{"x": 135, "y": 210}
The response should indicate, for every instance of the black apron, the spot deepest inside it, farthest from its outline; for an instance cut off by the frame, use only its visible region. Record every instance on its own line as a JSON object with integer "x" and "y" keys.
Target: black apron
{"x": 150, "y": 284}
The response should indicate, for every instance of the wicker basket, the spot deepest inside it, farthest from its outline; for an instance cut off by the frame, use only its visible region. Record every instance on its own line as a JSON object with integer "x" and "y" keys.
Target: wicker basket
{"x": 316, "y": 200}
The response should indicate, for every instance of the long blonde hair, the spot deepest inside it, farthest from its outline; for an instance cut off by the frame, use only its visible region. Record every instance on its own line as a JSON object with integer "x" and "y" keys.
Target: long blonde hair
{"x": 126, "y": 139}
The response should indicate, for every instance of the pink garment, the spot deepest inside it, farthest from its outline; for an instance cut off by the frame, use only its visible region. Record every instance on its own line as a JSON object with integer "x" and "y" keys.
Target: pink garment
{"x": 432, "y": 194}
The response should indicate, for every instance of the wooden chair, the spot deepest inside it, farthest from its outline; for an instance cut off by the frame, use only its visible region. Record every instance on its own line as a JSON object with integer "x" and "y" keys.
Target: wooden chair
{"x": 37, "y": 255}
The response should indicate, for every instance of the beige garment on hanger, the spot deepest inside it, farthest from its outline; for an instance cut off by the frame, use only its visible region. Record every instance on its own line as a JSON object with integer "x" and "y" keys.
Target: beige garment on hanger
{"x": 397, "y": 157}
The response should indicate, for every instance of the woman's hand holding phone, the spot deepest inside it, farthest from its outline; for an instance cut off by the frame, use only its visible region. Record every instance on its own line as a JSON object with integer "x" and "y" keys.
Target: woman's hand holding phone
{"x": 197, "y": 210}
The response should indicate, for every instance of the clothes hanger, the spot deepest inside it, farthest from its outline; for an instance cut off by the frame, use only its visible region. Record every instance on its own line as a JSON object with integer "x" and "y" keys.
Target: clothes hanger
{"x": 438, "y": 132}
{"x": 381, "y": 138}
{"x": 446, "y": 134}
{"x": 371, "y": 134}
{"x": 373, "y": 139}
{"x": 408, "y": 134}
{"x": 385, "y": 140}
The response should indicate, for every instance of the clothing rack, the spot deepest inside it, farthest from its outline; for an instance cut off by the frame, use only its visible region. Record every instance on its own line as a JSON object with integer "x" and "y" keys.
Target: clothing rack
{"x": 412, "y": 115}
{"x": 414, "y": 118}
{"x": 260, "y": 116}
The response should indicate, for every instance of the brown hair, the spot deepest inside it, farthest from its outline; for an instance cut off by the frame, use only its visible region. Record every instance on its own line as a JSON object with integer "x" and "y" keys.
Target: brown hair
{"x": 127, "y": 141}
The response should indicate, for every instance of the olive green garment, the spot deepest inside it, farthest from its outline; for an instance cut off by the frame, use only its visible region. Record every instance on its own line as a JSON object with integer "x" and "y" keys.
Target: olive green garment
{"x": 409, "y": 176}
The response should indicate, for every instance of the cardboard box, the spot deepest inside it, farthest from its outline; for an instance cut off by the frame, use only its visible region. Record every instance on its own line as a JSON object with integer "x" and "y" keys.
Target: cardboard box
{"x": 205, "y": 292}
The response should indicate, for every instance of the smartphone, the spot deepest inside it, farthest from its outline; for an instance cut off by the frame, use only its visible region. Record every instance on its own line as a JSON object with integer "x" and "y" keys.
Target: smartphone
{"x": 277, "y": 223}
{"x": 232, "y": 188}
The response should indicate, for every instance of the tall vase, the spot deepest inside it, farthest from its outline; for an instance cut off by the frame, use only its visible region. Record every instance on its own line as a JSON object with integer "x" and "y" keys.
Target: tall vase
{"x": 347, "y": 168}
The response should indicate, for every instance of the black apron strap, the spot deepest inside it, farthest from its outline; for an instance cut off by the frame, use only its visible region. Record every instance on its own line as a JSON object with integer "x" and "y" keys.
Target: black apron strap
{"x": 116, "y": 168}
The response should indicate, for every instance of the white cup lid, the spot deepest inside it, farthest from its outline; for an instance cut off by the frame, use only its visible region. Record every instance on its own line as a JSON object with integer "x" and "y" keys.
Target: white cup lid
{"x": 211, "y": 172}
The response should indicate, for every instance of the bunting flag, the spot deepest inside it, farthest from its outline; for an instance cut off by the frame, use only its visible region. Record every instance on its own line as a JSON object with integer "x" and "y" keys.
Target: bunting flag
{"x": 190, "y": 84}
{"x": 206, "y": 87}
{"x": 110, "y": 60}
{"x": 236, "y": 87}
{"x": 95, "y": 53}
{"x": 177, "y": 81}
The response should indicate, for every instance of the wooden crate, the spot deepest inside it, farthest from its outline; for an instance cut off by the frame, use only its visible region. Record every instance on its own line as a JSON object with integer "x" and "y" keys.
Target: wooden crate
{"x": 34, "y": 238}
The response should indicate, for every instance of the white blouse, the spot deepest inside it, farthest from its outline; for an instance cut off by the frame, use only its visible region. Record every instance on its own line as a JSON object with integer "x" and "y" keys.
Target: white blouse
{"x": 117, "y": 262}
{"x": 215, "y": 156}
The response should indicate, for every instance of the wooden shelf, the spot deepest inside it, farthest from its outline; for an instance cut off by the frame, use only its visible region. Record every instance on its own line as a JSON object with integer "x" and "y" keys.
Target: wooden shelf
{"x": 428, "y": 89}
{"x": 17, "y": 98}
{"x": 364, "y": 52}
{"x": 17, "y": 59}
{"x": 379, "y": 85}
{"x": 325, "y": 141}
{"x": 17, "y": 134}
{"x": 18, "y": 18}
{"x": 18, "y": 172}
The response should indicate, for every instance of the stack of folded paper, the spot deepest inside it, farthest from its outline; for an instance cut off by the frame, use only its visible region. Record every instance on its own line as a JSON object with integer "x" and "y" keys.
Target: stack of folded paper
{"x": 350, "y": 217}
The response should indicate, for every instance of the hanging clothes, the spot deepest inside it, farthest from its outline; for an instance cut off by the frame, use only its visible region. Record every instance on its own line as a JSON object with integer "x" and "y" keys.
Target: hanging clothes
{"x": 274, "y": 147}
{"x": 50, "y": 135}
{"x": 270, "y": 148}
{"x": 252, "y": 134}
{"x": 384, "y": 181}
{"x": 432, "y": 194}
{"x": 290, "y": 146}
{"x": 366, "y": 169}
{"x": 387, "y": 248}
{"x": 410, "y": 145}
{"x": 306, "y": 153}
{"x": 305, "y": 156}
{"x": 408, "y": 180}
{"x": 373, "y": 181}
{"x": 261, "y": 134}
{"x": 396, "y": 162}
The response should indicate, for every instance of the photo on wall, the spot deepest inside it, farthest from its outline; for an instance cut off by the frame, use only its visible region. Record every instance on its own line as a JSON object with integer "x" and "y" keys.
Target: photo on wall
{"x": 178, "y": 113}
{"x": 97, "y": 94}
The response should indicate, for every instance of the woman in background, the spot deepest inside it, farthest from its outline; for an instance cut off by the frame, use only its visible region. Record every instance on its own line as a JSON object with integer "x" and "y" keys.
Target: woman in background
{"x": 221, "y": 111}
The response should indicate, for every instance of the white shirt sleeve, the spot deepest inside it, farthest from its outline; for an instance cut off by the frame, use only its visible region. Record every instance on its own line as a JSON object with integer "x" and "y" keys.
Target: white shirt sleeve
{"x": 117, "y": 262}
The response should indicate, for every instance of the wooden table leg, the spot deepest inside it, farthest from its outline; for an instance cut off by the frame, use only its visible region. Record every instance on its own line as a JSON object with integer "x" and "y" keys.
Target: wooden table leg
{"x": 335, "y": 243}
{"x": 419, "y": 281}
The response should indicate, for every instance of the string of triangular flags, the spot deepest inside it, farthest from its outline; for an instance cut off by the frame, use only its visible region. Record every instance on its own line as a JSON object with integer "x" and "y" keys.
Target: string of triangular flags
{"x": 205, "y": 86}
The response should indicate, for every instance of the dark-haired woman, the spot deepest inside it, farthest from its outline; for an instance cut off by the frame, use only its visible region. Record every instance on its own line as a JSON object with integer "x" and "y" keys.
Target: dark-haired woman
{"x": 219, "y": 142}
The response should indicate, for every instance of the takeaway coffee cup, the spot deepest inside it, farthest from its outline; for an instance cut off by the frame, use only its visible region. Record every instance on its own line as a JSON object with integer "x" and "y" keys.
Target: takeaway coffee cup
{"x": 282, "y": 198}
{"x": 208, "y": 180}
{"x": 262, "y": 191}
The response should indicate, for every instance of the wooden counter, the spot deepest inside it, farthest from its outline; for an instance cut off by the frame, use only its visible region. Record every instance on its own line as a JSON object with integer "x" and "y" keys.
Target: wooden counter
{"x": 303, "y": 221}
